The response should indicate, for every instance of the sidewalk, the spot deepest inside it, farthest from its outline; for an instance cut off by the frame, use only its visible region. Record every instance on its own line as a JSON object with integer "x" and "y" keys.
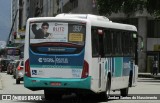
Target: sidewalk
{"x": 148, "y": 75}
{"x": 1, "y": 83}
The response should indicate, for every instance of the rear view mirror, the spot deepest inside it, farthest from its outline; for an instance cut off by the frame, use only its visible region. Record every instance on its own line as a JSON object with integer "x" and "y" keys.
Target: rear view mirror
{"x": 141, "y": 43}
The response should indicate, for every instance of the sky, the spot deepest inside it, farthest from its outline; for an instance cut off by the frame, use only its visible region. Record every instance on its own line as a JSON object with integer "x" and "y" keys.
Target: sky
{"x": 5, "y": 19}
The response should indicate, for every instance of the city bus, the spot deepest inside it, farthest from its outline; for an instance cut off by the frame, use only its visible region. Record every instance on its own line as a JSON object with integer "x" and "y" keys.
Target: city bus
{"x": 13, "y": 53}
{"x": 81, "y": 54}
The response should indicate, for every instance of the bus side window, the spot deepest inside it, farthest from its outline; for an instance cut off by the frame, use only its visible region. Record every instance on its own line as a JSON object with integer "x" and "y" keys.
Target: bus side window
{"x": 124, "y": 43}
{"x": 95, "y": 43}
{"x": 131, "y": 44}
{"x": 119, "y": 39}
{"x": 107, "y": 43}
{"x": 114, "y": 42}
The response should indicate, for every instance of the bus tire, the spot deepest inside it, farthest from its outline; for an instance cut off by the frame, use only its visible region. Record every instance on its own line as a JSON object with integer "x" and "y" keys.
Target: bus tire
{"x": 50, "y": 95}
{"x": 105, "y": 95}
{"x": 130, "y": 79}
{"x": 124, "y": 92}
{"x": 47, "y": 95}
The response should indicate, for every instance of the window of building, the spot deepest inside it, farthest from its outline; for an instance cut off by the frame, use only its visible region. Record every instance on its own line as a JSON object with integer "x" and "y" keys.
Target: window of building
{"x": 153, "y": 29}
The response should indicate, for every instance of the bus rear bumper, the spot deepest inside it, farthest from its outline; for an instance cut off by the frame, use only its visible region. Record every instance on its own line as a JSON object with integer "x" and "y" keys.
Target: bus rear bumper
{"x": 56, "y": 83}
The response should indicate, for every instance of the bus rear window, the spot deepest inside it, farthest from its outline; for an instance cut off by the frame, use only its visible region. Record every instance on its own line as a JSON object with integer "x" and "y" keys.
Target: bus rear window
{"x": 13, "y": 52}
{"x": 57, "y": 37}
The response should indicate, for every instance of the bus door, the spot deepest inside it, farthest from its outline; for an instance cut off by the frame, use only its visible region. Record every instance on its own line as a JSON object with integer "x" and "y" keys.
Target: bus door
{"x": 101, "y": 59}
{"x": 98, "y": 56}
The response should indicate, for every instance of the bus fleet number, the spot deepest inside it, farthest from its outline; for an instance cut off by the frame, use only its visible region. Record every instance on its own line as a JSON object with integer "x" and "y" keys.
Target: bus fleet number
{"x": 77, "y": 28}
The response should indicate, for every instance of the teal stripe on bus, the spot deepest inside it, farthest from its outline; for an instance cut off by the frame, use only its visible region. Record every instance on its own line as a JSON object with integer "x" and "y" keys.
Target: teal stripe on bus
{"x": 118, "y": 66}
{"x": 40, "y": 83}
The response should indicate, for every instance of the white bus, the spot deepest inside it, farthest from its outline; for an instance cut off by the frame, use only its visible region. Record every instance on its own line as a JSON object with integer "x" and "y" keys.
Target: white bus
{"x": 13, "y": 53}
{"x": 79, "y": 53}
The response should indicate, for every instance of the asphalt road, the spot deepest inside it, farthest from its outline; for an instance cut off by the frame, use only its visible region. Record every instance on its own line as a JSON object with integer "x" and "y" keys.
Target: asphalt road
{"x": 146, "y": 88}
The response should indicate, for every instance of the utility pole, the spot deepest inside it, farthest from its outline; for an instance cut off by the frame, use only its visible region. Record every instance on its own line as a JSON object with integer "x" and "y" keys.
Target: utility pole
{"x": 61, "y": 6}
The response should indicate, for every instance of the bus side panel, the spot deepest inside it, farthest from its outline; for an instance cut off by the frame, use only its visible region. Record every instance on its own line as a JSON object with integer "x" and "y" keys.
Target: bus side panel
{"x": 44, "y": 83}
{"x": 127, "y": 66}
{"x": 122, "y": 68}
{"x": 135, "y": 75}
{"x": 66, "y": 66}
{"x": 95, "y": 75}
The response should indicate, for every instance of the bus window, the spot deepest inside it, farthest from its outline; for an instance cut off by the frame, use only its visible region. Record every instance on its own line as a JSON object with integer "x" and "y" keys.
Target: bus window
{"x": 108, "y": 43}
{"x": 101, "y": 45}
{"x": 13, "y": 52}
{"x": 57, "y": 37}
{"x": 95, "y": 43}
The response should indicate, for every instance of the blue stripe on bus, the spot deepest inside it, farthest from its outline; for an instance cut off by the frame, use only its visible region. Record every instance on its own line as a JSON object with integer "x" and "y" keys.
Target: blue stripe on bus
{"x": 56, "y": 49}
{"x": 56, "y": 60}
{"x": 119, "y": 66}
{"x": 126, "y": 66}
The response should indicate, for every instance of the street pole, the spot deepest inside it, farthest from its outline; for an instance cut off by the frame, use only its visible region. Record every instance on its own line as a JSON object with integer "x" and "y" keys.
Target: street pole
{"x": 61, "y": 6}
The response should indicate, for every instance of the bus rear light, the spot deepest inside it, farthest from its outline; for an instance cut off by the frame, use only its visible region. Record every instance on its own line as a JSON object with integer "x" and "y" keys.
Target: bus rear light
{"x": 27, "y": 68}
{"x": 85, "y": 71}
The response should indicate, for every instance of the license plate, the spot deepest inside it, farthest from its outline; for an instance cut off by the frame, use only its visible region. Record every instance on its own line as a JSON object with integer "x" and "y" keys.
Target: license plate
{"x": 55, "y": 84}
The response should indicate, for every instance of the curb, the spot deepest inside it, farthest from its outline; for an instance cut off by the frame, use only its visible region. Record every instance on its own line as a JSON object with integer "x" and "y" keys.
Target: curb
{"x": 156, "y": 76}
{"x": 148, "y": 75}
{"x": 145, "y": 75}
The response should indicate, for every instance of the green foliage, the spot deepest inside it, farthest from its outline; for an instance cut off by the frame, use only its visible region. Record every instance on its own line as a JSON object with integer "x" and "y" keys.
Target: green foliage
{"x": 106, "y": 7}
{"x": 153, "y": 7}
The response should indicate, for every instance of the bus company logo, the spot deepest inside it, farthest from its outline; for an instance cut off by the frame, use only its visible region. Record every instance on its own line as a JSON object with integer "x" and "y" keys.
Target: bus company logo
{"x": 34, "y": 72}
{"x": 40, "y": 60}
{"x": 56, "y": 24}
{"x": 6, "y": 97}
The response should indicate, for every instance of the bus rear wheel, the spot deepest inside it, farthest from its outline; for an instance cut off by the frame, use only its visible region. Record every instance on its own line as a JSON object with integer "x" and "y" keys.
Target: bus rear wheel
{"x": 124, "y": 92}
{"x": 50, "y": 95}
{"x": 105, "y": 95}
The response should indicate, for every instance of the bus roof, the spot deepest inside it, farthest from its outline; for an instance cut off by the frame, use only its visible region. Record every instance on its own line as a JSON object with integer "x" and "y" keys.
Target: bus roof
{"x": 96, "y": 20}
{"x": 84, "y": 16}
{"x": 101, "y": 21}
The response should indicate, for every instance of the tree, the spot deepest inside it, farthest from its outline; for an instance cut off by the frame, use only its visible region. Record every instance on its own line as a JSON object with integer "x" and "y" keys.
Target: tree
{"x": 153, "y": 7}
{"x": 106, "y": 7}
